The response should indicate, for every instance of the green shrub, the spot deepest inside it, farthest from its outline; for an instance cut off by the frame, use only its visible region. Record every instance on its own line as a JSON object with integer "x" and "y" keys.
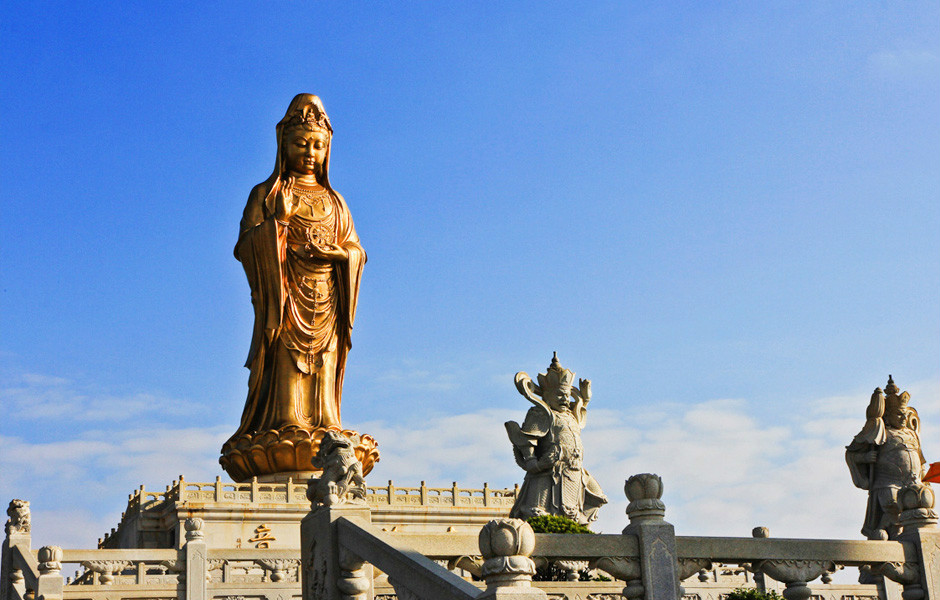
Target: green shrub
{"x": 556, "y": 524}
{"x": 559, "y": 524}
{"x": 753, "y": 594}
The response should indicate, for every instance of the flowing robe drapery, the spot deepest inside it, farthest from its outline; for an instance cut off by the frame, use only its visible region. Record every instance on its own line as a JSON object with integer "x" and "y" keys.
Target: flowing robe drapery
{"x": 304, "y": 311}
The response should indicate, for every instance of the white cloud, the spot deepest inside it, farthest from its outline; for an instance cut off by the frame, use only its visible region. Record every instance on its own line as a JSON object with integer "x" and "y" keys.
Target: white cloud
{"x": 725, "y": 469}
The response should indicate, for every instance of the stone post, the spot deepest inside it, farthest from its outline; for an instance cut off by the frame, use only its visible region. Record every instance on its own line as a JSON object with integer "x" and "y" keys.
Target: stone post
{"x": 506, "y": 545}
{"x": 50, "y": 580}
{"x": 659, "y": 570}
{"x": 17, "y": 532}
{"x": 918, "y": 522}
{"x": 196, "y": 560}
{"x": 328, "y": 571}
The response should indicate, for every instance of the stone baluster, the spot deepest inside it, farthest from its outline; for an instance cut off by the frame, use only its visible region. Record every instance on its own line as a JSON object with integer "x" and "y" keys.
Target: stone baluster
{"x": 759, "y": 581}
{"x": 50, "y": 580}
{"x": 506, "y": 546}
{"x": 659, "y": 570}
{"x": 795, "y": 574}
{"x": 196, "y": 560}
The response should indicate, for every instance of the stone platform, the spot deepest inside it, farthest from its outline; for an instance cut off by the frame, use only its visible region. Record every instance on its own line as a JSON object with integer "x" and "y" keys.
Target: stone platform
{"x": 267, "y": 515}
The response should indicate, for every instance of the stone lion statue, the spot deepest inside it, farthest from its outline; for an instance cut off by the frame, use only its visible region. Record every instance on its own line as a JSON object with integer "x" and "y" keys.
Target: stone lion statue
{"x": 341, "y": 481}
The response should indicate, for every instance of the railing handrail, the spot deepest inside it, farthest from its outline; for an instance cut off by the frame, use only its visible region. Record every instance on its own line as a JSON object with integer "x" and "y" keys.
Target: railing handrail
{"x": 843, "y": 552}
{"x": 130, "y": 554}
{"x": 393, "y": 557}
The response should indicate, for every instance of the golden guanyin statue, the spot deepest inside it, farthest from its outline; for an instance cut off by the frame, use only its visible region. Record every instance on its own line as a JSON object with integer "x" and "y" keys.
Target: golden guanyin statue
{"x": 303, "y": 260}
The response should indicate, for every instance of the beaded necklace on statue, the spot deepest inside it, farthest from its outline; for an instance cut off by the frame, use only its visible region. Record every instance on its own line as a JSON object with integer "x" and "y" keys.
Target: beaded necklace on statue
{"x": 312, "y": 196}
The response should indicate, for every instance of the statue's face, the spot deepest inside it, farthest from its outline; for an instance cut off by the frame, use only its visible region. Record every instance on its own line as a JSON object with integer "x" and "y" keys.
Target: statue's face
{"x": 895, "y": 418}
{"x": 559, "y": 397}
{"x": 305, "y": 151}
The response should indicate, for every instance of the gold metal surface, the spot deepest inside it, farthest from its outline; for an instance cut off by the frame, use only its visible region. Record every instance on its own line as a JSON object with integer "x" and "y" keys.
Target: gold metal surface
{"x": 303, "y": 261}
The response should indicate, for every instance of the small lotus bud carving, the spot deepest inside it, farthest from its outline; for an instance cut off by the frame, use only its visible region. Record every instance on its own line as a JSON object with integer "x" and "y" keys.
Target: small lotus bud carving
{"x": 193, "y": 526}
{"x": 50, "y": 558}
{"x": 644, "y": 492}
{"x": 645, "y": 486}
{"x": 506, "y": 537}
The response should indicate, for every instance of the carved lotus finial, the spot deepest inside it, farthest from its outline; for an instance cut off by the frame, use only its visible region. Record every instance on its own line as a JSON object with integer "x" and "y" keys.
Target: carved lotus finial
{"x": 645, "y": 486}
{"x": 506, "y": 545}
{"x": 193, "y": 526}
{"x": 644, "y": 492}
{"x": 50, "y": 559}
{"x": 507, "y": 537}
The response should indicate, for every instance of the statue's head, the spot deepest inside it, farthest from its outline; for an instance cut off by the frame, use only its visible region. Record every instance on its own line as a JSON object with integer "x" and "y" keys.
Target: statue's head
{"x": 898, "y": 414}
{"x": 556, "y": 384}
{"x": 303, "y": 137}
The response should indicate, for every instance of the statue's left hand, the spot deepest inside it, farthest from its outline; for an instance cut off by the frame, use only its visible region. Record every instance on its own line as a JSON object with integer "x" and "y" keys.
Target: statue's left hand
{"x": 585, "y": 389}
{"x": 331, "y": 252}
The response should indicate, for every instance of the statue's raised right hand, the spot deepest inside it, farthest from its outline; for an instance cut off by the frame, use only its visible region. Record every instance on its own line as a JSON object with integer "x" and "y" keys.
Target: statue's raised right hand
{"x": 284, "y": 205}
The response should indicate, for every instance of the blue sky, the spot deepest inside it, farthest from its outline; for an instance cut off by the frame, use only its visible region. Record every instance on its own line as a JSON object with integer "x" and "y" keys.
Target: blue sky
{"x": 727, "y": 209}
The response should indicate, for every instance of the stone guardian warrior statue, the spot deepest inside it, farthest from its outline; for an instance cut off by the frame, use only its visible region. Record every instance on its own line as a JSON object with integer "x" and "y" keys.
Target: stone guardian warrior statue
{"x": 548, "y": 447}
{"x": 885, "y": 458}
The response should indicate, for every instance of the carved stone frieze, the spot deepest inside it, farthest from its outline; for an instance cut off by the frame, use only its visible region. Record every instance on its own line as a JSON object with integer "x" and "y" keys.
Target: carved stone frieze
{"x": 571, "y": 568}
{"x": 903, "y": 573}
{"x": 106, "y": 568}
{"x": 795, "y": 570}
{"x": 690, "y": 566}
{"x": 619, "y": 567}
{"x": 278, "y": 567}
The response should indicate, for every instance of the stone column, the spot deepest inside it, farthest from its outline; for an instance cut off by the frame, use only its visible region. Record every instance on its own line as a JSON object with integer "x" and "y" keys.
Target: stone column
{"x": 329, "y": 572}
{"x": 506, "y": 545}
{"x": 17, "y": 531}
{"x": 918, "y": 522}
{"x": 659, "y": 570}
{"x": 50, "y": 579}
{"x": 196, "y": 560}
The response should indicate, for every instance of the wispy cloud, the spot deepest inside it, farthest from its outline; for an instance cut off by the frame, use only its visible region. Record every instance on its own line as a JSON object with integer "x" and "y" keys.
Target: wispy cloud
{"x": 904, "y": 64}
{"x": 725, "y": 469}
{"x": 415, "y": 379}
{"x": 32, "y": 396}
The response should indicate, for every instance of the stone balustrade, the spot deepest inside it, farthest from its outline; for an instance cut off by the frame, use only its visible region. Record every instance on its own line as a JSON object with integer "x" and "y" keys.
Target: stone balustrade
{"x": 344, "y": 556}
